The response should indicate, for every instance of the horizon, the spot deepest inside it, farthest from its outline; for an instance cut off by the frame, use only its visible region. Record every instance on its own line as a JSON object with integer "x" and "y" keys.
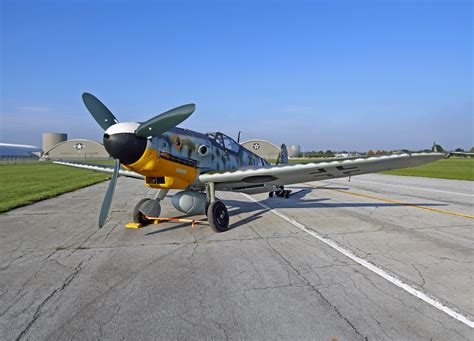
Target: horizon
{"x": 327, "y": 75}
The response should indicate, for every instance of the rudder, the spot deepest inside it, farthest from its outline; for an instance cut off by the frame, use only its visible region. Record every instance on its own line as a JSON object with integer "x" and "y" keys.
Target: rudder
{"x": 283, "y": 155}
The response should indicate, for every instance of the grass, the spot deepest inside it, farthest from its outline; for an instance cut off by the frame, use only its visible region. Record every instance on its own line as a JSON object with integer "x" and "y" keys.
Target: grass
{"x": 453, "y": 168}
{"x": 24, "y": 184}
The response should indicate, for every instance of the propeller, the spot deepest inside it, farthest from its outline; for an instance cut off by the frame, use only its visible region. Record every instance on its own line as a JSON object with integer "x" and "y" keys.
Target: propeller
{"x": 127, "y": 141}
{"x": 165, "y": 121}
{"x": 104, "y": 210}
{"x": 99, "y": 111}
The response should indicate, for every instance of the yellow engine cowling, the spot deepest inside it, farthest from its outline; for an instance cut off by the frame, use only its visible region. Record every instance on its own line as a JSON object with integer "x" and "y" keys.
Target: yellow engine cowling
{"x": 162, "y": 172}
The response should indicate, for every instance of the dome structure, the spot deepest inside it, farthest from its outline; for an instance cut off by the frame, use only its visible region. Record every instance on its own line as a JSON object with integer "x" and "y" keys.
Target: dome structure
{"x": 262, "y": 148}
{"x": 78, "y": 149}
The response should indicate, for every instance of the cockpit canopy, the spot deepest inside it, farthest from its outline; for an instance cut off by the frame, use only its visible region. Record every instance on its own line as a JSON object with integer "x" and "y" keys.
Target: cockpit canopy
{"x": 225, "y": 141}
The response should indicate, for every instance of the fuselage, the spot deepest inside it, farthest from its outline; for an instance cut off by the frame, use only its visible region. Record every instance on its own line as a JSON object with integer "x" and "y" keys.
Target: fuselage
{"x": 175, "y": 159}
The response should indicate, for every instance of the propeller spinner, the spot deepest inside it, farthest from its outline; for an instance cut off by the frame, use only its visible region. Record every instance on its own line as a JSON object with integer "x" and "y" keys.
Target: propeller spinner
{"x": 126, "y": 142}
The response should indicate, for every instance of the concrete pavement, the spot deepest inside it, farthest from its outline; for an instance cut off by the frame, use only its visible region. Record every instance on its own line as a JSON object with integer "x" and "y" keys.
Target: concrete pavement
{"x": 62, "y": 277}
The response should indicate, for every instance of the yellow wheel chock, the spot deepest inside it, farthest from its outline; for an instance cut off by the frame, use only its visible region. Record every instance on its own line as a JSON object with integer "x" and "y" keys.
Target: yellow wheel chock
{"x": 156, "y": 220}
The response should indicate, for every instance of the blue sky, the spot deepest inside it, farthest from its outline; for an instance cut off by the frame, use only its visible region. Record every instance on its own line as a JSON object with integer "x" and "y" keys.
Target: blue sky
{"x": 352, "y": 75}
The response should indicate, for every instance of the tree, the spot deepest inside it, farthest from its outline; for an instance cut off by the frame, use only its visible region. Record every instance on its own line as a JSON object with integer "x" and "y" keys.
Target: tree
{"x": 329, "y": 153}
{"x": 370, "y": 152}
{"x": 459, "y": 150}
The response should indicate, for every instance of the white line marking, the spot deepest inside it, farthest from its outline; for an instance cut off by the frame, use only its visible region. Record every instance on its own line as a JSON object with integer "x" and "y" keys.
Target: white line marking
{"x": 391, "y": 278}
{"x": 408, "y": 187}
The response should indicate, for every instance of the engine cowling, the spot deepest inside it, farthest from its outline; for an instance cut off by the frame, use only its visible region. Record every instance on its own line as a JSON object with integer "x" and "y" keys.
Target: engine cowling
{"x": 190, "y": 202}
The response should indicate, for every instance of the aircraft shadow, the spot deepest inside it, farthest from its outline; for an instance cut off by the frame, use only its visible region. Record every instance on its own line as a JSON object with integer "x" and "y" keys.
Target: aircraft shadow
{"x": 237, "y": 207}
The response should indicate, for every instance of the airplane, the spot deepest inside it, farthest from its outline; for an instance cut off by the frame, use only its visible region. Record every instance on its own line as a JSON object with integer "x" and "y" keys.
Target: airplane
{"x": 438, "y": 148}
{"x": 197, "y": 164}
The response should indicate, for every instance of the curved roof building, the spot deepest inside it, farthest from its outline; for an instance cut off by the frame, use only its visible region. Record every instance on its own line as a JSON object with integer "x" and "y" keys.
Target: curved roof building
{"x": 77, "y": 149}
{"x": 262, "y": 148}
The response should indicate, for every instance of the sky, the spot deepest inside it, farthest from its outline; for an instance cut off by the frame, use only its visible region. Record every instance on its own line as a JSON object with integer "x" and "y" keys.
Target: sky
{"x": 339, "y": 75}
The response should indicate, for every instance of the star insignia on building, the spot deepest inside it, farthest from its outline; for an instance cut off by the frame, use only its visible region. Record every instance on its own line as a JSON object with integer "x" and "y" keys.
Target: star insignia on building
{"x": 79, "y": 146}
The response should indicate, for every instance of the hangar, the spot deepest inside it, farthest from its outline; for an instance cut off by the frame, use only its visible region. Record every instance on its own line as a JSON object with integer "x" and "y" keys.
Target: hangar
{"x": 263, "y": 148}
{"x": 78, "y": 149}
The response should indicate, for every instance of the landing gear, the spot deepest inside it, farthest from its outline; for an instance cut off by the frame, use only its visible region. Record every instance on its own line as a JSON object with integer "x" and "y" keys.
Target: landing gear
{"x": 148, "y": 208}
{"x": 217, "y": 213}
{"x": 218, "y": 216}
{"x": 137, "y": 215}
{"x": 280, "y": 192}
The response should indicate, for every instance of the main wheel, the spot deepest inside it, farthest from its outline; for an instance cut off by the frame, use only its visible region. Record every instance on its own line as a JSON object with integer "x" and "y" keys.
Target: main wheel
{"x": 138, "y": 216}
{"x": 218, "y": 216}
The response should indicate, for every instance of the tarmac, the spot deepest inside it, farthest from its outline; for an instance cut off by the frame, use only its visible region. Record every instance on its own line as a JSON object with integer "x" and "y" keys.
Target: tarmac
{"x": 379, "y": 257}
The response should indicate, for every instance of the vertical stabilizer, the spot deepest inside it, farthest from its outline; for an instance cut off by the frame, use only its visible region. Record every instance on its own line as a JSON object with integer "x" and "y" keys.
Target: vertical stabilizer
{"x": 283, "y": 156}
{"x": 437, "y": 148}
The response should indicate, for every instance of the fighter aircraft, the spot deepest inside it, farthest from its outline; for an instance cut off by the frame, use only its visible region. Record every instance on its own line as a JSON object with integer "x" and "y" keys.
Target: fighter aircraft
{"x": 168, "y": 157}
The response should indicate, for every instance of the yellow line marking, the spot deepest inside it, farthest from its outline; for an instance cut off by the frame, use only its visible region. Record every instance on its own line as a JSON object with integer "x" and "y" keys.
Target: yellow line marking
{"x": 468, "y": 216}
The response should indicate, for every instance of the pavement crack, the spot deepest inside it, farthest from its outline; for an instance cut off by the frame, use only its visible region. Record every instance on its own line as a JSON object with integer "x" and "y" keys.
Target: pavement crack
{"x": 12, "y": 261}
{"x": 37, "y": 313}
{"x": 423, "y": 282}
{"x": 313, "y": 287}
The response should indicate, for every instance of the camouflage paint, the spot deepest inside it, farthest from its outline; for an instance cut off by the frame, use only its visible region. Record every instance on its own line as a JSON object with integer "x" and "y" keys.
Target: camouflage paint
{"x": 184, "y": 145}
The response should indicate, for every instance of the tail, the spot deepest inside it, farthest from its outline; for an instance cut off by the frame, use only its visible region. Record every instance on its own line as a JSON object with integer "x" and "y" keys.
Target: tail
{"x": 283, "y": 156}
{"x": 437, "y": 148}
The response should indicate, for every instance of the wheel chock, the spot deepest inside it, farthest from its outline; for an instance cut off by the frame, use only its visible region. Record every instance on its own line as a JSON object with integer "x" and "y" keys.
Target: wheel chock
{"x": 132, "y": 225}
{"x": 157, "y": 220}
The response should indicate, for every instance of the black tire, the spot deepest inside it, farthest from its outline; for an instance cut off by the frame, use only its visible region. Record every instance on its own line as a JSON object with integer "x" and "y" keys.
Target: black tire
{"x": 287, "y": 194}
{"x": 218, "y": 216}
{"x": 270, "y": 194}
{"x": 138, "y": 216}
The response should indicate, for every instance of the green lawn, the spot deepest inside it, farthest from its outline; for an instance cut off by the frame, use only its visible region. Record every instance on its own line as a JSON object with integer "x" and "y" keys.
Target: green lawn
{"x": 24, "y": 184}
{"x": 453, "y": 168}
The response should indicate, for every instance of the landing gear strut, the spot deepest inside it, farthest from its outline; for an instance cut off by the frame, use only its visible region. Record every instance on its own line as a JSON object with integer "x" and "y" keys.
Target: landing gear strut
{"x": 217, "y": 213}
{"x": 148, "y": 208}
{"x": 280, "y": 192}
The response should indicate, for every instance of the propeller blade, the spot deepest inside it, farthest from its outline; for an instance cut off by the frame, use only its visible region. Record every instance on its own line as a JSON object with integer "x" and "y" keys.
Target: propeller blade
{"x": 104, "y": 211}
{"x": 164, "y": 122}
{"x": 99, "y": 111}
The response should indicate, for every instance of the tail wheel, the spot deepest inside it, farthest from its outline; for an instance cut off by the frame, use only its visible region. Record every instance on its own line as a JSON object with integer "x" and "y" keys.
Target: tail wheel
{"x": 138, "y": 216}
{"x": 218, "y": 216}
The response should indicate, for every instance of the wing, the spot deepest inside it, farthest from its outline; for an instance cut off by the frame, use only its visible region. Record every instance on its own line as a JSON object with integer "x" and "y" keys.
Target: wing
{"x": 462, "y": 153}
{"x": 101, "y": 168}
{"x": 263, "y": 179}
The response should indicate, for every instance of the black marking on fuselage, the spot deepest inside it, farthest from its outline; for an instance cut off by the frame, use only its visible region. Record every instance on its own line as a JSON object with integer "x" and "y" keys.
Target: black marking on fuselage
{"x": 319, "y": 171}
{"x": 259, "y": 179}
{"x": 324, "y": 175}
{"x": 247, "y": 187}
{"x": 350, "y": 172}
{"x": 182, "y": 161}
{"x": 341, "y": 168}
